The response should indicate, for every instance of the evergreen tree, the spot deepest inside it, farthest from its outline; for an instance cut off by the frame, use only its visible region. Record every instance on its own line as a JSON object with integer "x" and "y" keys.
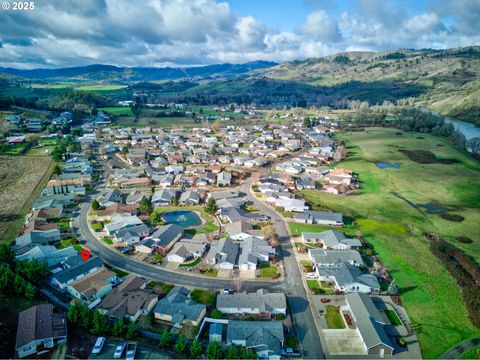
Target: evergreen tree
{"x": 57, "y": 170}
{"x": 99, "y": 324}
{"x": 119, "y": 327}
{"x": 214, "y": 351}
{"x": 196, "y": 349}
{"x": 145, "y": 206}
{"x": 95, "y": 205}
{"x": 232, "y": 352}
{"x": 211, "y": 206}
{"x": 164, "y": 340}
{"x": 180, "y": 345}
{"x": 131, "y": 331}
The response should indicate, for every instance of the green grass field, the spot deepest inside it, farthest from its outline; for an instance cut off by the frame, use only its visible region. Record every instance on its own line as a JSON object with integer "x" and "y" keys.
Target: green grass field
{"x": 118, "y": 111}
{"x": 100, "y": 88}
{"x": 158, "y": 122}
{"x": 393, "y": 227}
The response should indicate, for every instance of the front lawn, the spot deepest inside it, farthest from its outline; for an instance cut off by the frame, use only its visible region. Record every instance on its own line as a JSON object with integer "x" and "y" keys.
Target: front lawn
{"x": 62, "y": 244}
{"x": 267, "y": 270}
{"x": 333, "y": 318}
{"x": 120, "y": 273}
{"x": 192, "y": 263}
{"x": 393, "y": 317}
{"x": 203, "y": 296}
{"x": 108, "y": 240}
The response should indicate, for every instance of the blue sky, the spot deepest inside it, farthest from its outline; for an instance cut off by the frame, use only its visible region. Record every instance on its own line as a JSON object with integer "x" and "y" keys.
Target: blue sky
{"x": 61, "y": 33}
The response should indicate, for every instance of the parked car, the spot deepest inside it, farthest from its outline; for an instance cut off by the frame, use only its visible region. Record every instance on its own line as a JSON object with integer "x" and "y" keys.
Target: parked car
{"x": 290, "y": 352}
{"x": 119, "y": 350}
{"x": 97, "y": 348}
{"x": 325, "y": 300}
{"x": 131, "y": 348}
{"x": 312, "y": 275}
{"x": 226, "y": 291}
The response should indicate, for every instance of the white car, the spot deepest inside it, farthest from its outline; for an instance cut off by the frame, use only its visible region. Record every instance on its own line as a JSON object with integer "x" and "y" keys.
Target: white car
{"x": 119, "y": 350}
{"x": 131, "y": 348}
{"x": 97, "y": 348}
{"x": 312, "y": 275}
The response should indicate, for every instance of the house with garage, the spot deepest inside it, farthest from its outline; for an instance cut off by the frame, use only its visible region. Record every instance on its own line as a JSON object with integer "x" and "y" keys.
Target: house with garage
{"x": 36, "y": 237}
{"x": 294, "y": 205}
{"x": 369, "y": 324}
{"x": 187, "y": 250}
{"x": 254, "y": 251}
{"x": 73, "y": 269}
{"x": 128, "y": 300}
{"x": 190, "y": 197}
{"x": 224, "y": 179}
{"x": 164, "y": 197}
{"x": 93, "y": 287}
{"x": 166, "y": 236}
{"x": 319, "y": 217}
{"x": 266, "y": 338}
{"x": 259, "y": 303}
{"x": 131, "y": 235}
{"x": 331, "y": 239}
{"x": 348, "y": 278}
{"x": 323, "y": 257}
{"x": 240, "y": 230}
{"x": 223, "y": 254}
{"x": 120, "y": 222}
{"x": 110, "y": 197}
{"x": 178, "y": 309}
{"x": 40, "y": 328}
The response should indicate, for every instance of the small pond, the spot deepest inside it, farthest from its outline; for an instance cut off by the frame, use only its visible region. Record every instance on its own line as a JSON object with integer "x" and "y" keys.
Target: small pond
{"x": 383, "y": 165}
{"x": 182, "y": 218}
{"x": 433, "y": 208}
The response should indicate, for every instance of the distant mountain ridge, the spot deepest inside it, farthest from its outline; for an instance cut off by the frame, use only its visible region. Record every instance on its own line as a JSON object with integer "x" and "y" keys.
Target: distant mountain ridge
{"x": 98, "y": 72}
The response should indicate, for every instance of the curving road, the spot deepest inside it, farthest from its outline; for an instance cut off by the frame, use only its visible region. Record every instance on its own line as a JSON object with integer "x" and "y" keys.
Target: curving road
{"x": 292, "y": 286}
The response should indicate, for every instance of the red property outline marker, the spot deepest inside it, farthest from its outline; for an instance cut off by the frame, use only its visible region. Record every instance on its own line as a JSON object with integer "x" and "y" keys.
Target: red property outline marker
{"x": 85, "y": 254}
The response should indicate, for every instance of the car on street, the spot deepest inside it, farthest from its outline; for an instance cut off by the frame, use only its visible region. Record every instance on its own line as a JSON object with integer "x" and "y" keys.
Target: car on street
{"x": 97, "y": 348}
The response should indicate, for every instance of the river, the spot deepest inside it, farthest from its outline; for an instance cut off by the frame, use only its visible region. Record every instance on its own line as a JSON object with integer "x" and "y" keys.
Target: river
{"x": 470, "y": 130}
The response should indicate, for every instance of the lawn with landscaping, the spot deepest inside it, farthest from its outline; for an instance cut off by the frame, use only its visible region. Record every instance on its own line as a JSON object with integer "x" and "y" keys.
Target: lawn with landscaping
{"x": 207, "y": 227}
{"x": 333, "y": 317}
{"x": 267, "y": 270}
{"x": 393, "y": 317}
{"x": 203, "y": 296}
{"x": 394, "y": 227}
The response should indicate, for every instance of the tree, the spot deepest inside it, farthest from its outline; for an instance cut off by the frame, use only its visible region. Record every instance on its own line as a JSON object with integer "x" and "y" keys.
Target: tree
{"x": 6, "y": 254}
{"x": 156, "y": 218}
{"x": 57, "y": 170}
{"x": 96, "y": 205}
{"x": 307, "y": 122}
{"x": 32, "y": 270}
{"x": 196, "y": 349}
{"x": 180, "y": 345}
{"x": 214, "y": 351}
{"x": 99, "y": 323}
{"x": 216, "y": 314}
{"x": 232, "y": 352}
{"x": 211, "y": 207}
{"x": 29, "y": 291}
{"x": 131, "y": 331}
{"x": 145, "y": 206}
{"x": 119, "y": 327}
{"x": 164, "y": 340}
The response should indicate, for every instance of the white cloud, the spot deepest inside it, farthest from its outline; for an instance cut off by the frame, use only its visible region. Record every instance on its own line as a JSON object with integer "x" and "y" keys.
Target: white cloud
{"x": 159, "y": 32}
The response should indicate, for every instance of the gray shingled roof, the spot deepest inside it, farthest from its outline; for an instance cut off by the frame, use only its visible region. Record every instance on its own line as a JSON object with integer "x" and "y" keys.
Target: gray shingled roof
{"x": 346, "y": 274}
{"x": 367, "y": 318}
{"x": 178, "y": 305}
{"x": 261, "y": 335}
{"x": 81, "y": 267}
{"x": 331, "y": 238}
{"x": 167, "y": 233}
{"x": 322, "y": 256}
{"x": 261, "y": 299}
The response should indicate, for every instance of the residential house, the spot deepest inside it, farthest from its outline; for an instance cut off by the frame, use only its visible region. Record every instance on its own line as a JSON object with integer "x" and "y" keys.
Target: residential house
{"x": 348, "y": 278}
{"x": 40, "y": 328}
{"x": 178, "y": 309}
{"x": 223, "y": 254}
{"x": 233, "y": 214}
{"x": 50, "y": 254}
{"x": 369, "y": 324}
{"x": 121, "y": 221}
{"x": 110, "y": 197}
{"x": 224, "y": 179}
{"x": 128, "y": 300}
{"x": 266, "y": 338}
{"x": 331, "y": 239}
{"x": 322, "y": 257}
{"x": 295, "y": 205}
{"x": 190, "y": 197}
{"x": 215, "y": 332}
{"x": 135, "y": 182}
{"x": 92, "y": 287}
{"x": 240, "y": 230}
{"x": 131, "y": 235}
{"x": 252, "y": 251}
{"x": 75, "y": 268}
{"x": 261, "y": 303}
{"x": 164, "y": 197}
{"x": 166, "y": 236}
{"x": 319, "y": 217}
{"x": 37, "y": 237}
{"x": 187, "y": 250}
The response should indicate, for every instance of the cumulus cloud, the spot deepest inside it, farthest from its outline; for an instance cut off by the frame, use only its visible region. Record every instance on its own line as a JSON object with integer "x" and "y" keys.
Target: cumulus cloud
{"x": 194, "y": 32}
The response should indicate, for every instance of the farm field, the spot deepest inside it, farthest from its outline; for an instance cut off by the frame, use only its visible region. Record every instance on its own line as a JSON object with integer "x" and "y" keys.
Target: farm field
{"x": 100, "y": 88}
{"x": 119, "y": 111}
{"x": 393, "y": 225}
{"x": 21, "y": 180}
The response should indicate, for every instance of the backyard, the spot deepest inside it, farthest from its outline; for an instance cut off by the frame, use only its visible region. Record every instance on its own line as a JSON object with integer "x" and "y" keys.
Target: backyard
{"x": 394, "y": 227}
{"x": 333, "y": 318}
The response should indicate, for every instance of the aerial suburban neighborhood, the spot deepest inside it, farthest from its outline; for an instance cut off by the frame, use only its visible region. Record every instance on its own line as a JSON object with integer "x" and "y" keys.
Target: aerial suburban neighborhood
{"x": 245, "y": 180}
